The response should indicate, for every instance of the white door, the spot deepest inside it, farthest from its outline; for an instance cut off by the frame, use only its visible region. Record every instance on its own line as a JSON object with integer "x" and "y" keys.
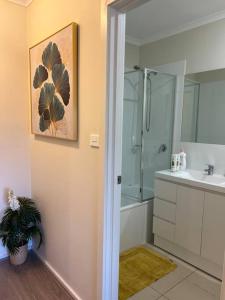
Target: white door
{"x": 189, "y": 213}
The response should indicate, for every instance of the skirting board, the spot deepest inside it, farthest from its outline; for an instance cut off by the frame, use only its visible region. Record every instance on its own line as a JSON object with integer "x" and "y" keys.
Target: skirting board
{"x": 60, "y": 279}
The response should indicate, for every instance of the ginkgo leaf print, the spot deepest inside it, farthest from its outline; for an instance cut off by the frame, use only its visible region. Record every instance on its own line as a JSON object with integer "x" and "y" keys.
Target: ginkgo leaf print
{"x": 56, "y": 110}
{"x": 41, "y": 75}
{"x": 50, "y": 108}
{"x": 52, "y": 78}
{"x": 54, "y": 84}
{"x": 60, "y": 78}
{"x": 44, "y": 124}
{"x": 46, "y": 97}
{"x": 51, "y": 56}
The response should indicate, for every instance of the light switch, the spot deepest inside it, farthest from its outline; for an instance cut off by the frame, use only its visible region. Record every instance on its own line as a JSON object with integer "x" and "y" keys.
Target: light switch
{"x": 94, "y": 140}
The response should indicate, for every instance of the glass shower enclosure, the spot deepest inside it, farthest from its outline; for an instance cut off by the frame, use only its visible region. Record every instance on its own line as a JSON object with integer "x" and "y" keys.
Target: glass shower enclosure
{"x": 148, "y": 119}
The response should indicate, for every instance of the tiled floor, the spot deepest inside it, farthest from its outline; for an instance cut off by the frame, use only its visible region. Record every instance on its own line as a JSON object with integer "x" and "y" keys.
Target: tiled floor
{"x": 185, "y": 283}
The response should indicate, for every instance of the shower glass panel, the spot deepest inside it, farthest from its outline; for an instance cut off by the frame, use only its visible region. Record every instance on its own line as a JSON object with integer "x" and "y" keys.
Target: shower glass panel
{"x": 132, "y": 137}
{"x": 158, "y": 124}
{"x": 148, "y": 118}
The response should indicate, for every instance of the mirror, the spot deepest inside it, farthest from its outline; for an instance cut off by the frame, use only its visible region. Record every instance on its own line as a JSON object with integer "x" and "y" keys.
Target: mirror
{"x": 203, "y": 116}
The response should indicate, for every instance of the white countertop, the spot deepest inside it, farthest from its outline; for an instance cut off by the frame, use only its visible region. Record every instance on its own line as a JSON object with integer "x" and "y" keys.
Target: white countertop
{"x": 194, "y": 178}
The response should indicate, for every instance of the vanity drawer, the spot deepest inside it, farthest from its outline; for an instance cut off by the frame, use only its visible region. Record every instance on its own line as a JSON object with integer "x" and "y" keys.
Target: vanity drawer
{"x": 163, "y": 229}
{"x": 165, "y": 190}
{"x": 165, "y": 210}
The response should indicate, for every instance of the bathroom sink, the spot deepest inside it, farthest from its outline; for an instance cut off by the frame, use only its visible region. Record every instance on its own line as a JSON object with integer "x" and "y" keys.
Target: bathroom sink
{"x": 198, "y": 178}
{"x": 201, "y": 176}
{"x": 214, "y": 179}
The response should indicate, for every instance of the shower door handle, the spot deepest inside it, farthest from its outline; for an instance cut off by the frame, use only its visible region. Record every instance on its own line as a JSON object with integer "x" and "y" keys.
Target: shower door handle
{"x": 147, "y": 101}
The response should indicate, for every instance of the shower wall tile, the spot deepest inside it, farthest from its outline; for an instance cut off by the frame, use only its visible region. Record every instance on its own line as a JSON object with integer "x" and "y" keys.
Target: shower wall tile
{"x": 198, "y": 155}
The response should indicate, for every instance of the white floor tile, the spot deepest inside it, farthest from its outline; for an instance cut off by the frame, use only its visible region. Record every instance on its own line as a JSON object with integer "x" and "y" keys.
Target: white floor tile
{"x": 170, "y": 256}
{"x": 189, "y": 291}
{"x": 206, "y": 283}
{"x": 169, "y": 281}
{"x": 182, "y": 263}
{"x": 184, "y": 283}
{"x": 146, "y": 294}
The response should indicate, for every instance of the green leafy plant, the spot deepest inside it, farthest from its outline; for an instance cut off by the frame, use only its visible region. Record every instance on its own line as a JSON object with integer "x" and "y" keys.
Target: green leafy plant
{"x": 20, "y": 224}
{"x": 52, "y": 79}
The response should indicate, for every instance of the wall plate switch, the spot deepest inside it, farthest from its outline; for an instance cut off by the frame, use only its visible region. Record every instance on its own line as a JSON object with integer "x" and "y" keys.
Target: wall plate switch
{"x": 94, "y": 140}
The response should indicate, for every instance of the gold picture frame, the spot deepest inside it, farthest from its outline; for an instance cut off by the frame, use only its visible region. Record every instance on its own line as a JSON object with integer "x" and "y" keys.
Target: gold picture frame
{"x": 54, "y": 85}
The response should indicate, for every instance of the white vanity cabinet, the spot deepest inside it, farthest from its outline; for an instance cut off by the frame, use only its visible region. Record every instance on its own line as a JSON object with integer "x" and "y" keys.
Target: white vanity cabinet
{"x": 189, "y": 222}
{"x": 165, "y": 209}
{"x": 189, "y": 213}
{"x": 213, "y": 233}
{"x": 165, "y": 190}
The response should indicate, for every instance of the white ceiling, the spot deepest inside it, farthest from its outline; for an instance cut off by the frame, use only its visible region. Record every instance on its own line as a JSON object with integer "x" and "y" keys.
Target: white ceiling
{"x": 162, "y": 18}
{"x": 21, "y": 2}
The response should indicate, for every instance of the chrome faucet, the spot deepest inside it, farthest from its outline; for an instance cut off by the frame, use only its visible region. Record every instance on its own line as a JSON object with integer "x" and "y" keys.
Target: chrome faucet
{"x": 162, "y": 148}
{"x": 210, "y": 169}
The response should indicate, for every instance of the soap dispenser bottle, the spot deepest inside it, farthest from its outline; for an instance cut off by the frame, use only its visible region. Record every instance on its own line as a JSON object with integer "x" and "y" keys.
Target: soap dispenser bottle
{"x": 175, "y": 162}
{"x": 183, "y": 161}
{"x": 173, "y": 165}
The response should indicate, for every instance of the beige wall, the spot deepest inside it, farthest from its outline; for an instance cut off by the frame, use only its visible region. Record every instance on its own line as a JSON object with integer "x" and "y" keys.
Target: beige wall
{"x": 202, "y": 47}
{"x": 67, "y": 177}
{"x": 14, "y": 128}
{"x": 132, "y": 55}
{"x": 209, "y": 76}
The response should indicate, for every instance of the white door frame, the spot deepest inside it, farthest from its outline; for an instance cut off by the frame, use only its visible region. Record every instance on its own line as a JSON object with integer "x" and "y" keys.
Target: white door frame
{"x": 115, "y": 81}
{"x": 115, "y": 69}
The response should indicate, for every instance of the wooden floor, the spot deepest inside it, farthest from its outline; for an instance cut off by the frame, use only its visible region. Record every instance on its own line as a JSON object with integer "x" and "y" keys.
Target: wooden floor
{"x": 31, "y": 281}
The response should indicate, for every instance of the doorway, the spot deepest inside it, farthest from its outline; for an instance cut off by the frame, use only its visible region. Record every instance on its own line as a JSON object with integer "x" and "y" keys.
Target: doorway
{"x": 115, "y": 141}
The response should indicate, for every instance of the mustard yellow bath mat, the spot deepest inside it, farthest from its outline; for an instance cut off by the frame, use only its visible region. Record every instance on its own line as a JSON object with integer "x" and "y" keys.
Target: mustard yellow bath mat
{"x": 139, "y": 267}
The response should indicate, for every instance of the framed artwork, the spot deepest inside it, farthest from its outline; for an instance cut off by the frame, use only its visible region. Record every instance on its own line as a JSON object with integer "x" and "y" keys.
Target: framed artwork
{"x": 54, "y": 74}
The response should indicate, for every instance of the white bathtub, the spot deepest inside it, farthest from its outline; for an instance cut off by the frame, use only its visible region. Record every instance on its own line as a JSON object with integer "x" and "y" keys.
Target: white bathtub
{"x": 136, "y": 224}
{"x": 131, "y": 194}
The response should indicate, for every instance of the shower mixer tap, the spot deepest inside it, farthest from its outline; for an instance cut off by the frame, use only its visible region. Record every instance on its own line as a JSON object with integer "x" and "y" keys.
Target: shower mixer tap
{"x": 162, "y": 148}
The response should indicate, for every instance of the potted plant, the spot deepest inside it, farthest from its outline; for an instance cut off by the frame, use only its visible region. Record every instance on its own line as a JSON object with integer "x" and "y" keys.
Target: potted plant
{"x": 20, "y": 223}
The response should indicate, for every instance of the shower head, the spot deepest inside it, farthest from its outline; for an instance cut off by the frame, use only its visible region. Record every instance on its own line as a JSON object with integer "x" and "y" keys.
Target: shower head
{"x": 137, "y": 68}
